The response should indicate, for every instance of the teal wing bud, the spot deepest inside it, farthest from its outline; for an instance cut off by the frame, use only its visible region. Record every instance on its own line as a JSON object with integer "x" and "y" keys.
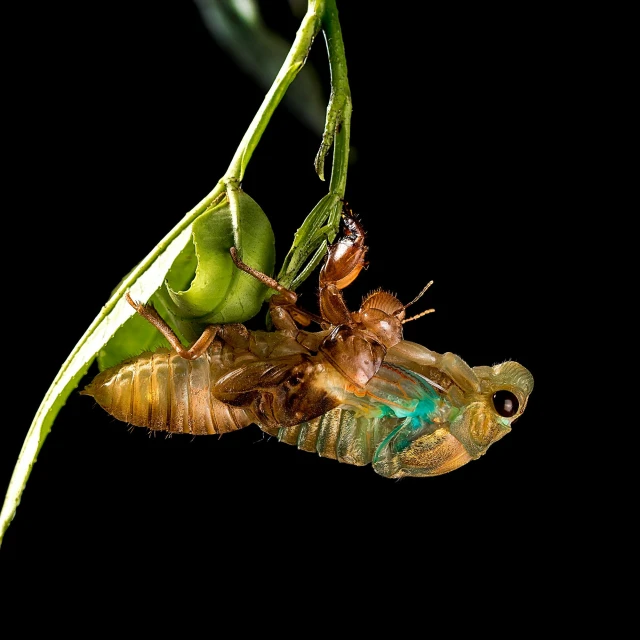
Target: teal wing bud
{"x": 461, "y": 428}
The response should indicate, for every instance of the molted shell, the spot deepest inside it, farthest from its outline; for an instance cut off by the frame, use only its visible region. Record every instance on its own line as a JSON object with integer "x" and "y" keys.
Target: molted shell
{"x": 165, "y": 392}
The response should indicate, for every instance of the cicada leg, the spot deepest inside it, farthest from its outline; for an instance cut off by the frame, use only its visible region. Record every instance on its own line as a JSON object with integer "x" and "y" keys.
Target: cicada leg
{"x": 285, "y": 314}
{"x": 445, "y": 369}
{"x": 460, "y": 372}
{"x": 148, "y": 312}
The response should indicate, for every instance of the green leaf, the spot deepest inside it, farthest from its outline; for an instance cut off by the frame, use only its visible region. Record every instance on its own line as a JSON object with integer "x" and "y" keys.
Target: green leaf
{"x": 137, "y": 334}
{"x": 114, "y": 314}
{"x": 133, "y": 337}
{"x": 214, "y": 289}
{"x": 220, "y": 292}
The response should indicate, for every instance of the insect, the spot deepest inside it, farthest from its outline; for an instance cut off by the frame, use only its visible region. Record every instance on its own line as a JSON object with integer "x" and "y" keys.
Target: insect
{"x": 352, "y": 389}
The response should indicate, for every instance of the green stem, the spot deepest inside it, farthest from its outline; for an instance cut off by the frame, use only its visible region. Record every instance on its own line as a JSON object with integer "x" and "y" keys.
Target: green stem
{"x": 293, "y": 63}
{"x": 338, "y": 124}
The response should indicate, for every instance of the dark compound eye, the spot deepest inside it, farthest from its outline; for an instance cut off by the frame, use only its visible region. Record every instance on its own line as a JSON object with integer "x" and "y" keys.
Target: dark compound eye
{"x": 506, "y": 403}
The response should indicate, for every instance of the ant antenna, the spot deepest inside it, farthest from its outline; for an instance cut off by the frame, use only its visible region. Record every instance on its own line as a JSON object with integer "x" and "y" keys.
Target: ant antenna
{"x": 423, "y": 313}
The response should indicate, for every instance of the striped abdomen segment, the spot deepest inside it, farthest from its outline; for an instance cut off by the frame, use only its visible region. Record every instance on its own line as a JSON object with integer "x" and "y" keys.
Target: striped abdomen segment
{"x": 165, "y": 392}
{"x": 353, "y": 432}
{"x": 340, "y": 435}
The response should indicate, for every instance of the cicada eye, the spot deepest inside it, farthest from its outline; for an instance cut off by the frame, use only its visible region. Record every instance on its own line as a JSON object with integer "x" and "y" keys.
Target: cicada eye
{"x": 505, "y": 403}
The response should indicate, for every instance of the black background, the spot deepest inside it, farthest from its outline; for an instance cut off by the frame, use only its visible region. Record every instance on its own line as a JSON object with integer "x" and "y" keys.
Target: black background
{"x": 125, "y": 117}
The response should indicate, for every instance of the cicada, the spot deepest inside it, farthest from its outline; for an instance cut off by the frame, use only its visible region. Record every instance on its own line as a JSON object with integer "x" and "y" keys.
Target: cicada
{"x": 341, "y": 383}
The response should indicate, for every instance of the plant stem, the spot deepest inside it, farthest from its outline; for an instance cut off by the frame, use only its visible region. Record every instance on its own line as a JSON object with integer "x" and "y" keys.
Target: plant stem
{"x": 338, "y": 125}
{"x": 294, "y": 61}
{"x": 321, "y": 225}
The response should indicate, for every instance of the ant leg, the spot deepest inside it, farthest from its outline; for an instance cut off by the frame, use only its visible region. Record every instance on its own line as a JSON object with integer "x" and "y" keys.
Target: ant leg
{"x": 148, "y": 312}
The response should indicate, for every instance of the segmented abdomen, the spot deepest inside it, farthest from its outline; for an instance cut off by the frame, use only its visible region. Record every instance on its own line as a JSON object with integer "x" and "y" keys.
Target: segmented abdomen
{"x": 165, "y": 392}
{"x": 340, "y": 435}
{"x": 353, "y": 432}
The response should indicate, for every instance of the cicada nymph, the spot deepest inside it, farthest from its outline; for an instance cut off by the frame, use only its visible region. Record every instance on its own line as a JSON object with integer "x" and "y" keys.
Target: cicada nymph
{"x": 352, "y": 389}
